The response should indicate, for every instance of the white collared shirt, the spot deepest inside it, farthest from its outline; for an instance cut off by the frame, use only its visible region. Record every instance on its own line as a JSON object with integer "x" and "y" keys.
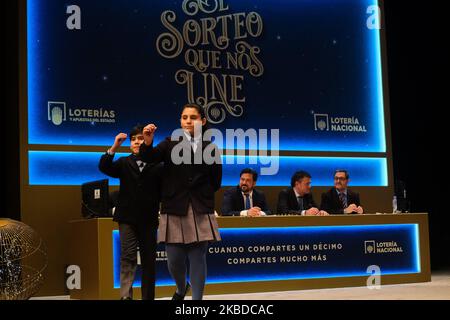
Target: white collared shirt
{"x": 194, "y": 143}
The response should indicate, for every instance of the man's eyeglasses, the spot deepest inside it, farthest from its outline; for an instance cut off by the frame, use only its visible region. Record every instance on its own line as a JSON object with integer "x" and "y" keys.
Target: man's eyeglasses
{"x": 339, "y": 179}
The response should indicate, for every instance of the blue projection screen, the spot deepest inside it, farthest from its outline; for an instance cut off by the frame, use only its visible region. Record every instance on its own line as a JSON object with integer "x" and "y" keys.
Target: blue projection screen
{"x": 75, "y": 168}
{"x": 311, "y": 69}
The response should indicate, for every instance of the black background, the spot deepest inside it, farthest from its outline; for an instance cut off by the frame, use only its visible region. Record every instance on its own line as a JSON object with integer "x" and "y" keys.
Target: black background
{"x": 416, "y": 60}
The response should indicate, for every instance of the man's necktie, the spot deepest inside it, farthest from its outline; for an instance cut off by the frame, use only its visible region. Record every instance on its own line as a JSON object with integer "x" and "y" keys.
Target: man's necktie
{"x": 247, "y": 202}
{"x": 343, "y": 199}
{"x": 300, "y": 203}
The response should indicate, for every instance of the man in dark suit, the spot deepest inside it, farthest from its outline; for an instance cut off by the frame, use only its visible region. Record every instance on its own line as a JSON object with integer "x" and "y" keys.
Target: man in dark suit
{"x": 298, "y": 199}
{"x": 136, "y": 212}
{"x": 244, "y": 200}
{"x": 340, "y": 199}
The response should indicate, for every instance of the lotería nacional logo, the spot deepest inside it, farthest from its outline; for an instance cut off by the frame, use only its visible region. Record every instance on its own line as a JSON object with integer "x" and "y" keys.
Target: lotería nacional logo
{"x": 369, "y": 246}
{"x": 59, "y": 113}
{"x": 372, "y": 247}
{"x": 325, "y": 122}
{"x": 321, "y": 122}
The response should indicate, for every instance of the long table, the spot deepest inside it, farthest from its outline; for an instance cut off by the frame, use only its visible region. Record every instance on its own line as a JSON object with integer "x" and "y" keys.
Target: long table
{"x": 272, "y": 253}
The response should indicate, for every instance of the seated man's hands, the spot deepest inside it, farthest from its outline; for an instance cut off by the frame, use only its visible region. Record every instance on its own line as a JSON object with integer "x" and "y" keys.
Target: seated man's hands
{"x": 254, "y": 212}
{"x": 354, "y": 209}
{"x": 312, "y": 212}
{"x": 351, "y": 208}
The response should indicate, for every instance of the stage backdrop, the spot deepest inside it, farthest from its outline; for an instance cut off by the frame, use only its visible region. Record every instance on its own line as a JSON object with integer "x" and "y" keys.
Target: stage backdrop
{"x": 310, "y": 71}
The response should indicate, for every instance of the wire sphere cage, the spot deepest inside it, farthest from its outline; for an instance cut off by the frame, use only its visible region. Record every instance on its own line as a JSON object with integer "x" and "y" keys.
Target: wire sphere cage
{"x": 23, "y": 260}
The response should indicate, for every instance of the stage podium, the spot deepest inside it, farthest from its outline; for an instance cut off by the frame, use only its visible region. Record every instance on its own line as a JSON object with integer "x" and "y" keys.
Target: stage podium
{"x": 272, "y": 253}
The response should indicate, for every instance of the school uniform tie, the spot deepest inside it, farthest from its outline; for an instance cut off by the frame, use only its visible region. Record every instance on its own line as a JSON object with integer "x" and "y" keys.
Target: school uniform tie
{"x": 141, "y": 164}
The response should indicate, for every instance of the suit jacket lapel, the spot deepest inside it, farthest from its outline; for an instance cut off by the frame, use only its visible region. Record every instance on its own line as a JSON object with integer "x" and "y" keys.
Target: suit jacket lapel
{"x": 255, "y": 198}
{"x": 293, "y": 198}
{"x": 350, "y": 197}
{"x": 307, "y": 201}
{"x": 336, "y": 198}
{"x": 240, "y": 199}
{"x": 133, "y": 164}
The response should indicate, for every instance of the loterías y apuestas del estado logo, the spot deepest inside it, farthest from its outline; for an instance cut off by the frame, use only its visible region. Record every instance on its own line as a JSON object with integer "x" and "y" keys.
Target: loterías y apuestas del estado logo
{"x": 58, "y": 113}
